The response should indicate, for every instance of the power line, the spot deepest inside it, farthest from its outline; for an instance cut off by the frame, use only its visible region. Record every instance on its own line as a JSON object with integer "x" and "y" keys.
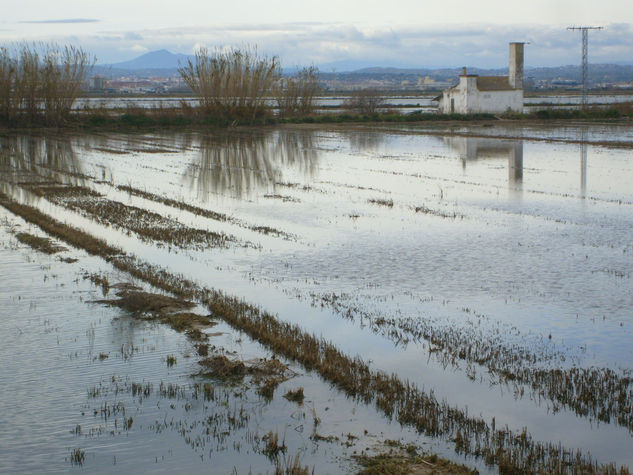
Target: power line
{"x": 585, "y": 44}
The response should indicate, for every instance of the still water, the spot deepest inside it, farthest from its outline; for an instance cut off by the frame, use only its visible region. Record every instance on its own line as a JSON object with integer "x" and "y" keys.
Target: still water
{"x": 490, "y": 239}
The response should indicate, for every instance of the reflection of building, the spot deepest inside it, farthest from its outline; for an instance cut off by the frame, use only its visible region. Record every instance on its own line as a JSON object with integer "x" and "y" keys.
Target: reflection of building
{"x": 478, "y": 148}
{"x": 493, "y": 94}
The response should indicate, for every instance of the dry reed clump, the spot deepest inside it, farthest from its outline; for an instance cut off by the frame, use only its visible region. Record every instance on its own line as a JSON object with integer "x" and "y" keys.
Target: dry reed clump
{"x": 272, "y": 448}
{"x": 166, "y": 309}
{"x": 221, "y": 367}
{"x": 237, "y": 83}
{"x": 288, "y": 465}
{"x": 295, "y": 95}
{"x": 231, "y": 84}
{"x": 284, "y": 198}
{"x": 146, "y": 224}
{"x": 406, "y": 461}
{"x": 40, "y": 82}
{"x": 267, "y": 374}
{"x": 295, "y": 395}
{"x": 435, "y": 212}
{"x": 188, "y": 322}
{"x": 381, "y": 202}
{"x": 77, "y": 457}
{"x": 409, "y": 405}
{"x": 45, "y": 245}
{"x": 99, "y": 280}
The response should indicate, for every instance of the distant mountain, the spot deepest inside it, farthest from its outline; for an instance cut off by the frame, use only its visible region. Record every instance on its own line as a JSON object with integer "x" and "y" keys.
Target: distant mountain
{"x": 161, "y": 59}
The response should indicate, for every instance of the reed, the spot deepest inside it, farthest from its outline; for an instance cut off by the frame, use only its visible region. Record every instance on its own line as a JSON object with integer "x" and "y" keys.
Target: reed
{"x": 231, "y": 84}
{"x": 39, "y": 82}
{"x": 295, "y": 95}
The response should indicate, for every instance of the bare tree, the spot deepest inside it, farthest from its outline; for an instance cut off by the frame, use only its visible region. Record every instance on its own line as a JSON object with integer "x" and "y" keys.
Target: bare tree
{"x": 366, "y": 101}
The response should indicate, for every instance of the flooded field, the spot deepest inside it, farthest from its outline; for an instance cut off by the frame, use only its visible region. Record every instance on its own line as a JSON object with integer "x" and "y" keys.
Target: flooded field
{"x": 291, "y": 298}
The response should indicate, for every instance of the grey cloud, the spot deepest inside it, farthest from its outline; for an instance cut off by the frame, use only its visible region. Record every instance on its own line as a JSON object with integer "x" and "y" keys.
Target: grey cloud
{"x": 64, "y": 20}
{"x": 132, "y": 36}
{"x": 480, "y": 45}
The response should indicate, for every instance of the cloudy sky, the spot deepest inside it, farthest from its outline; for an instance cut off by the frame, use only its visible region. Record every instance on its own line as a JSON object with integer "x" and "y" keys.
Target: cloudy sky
{"x": 334, "y": 34}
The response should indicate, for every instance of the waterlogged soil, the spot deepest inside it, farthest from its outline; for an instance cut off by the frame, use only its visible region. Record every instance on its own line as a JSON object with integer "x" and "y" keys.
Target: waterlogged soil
{"x": 489, "y": 267}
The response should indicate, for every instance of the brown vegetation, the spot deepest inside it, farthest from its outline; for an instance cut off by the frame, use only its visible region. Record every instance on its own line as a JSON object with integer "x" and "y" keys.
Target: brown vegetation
{"x": 40, "y": 82}
{"x": 231, "y": 84}
{"x": 366, "y": 101}
{"x": 203, "y": 212}
{"x": 146, "y": 224}
{"x": 408, "y": 462}
{"x": 295, "y": 95}
{"x": 236, "y": 85}
{"x": 146, "y": 302}
{"x": 41, "y": 244}
{"x": 295, "y": 395}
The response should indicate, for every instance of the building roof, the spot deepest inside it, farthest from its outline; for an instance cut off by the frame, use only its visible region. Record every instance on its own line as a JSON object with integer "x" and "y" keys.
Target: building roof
{"x": 494, "y": 83}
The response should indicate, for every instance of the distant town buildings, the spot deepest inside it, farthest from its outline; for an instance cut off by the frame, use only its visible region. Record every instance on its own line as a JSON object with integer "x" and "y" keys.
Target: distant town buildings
{"x": 97, "y": 83}
{"x": 137, "y": 85}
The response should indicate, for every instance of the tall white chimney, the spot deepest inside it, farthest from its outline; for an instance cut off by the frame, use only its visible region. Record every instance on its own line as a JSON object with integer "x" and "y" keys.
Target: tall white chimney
{"x": 515, "y": 75}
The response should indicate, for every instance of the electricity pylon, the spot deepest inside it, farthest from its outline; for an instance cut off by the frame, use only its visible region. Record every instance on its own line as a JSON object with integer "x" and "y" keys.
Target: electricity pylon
{"x": 585, "y": 41}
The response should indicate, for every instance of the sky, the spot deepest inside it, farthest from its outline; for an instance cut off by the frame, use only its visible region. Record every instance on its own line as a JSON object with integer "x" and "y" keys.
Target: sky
{"x": 333, "y": 34}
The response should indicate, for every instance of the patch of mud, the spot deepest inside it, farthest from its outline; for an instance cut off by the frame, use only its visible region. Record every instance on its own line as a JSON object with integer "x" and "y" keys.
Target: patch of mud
{"x": 145, "y": 302}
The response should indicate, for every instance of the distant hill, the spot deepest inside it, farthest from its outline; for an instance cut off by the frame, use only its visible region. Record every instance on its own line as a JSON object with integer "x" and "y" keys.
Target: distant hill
{"x": 598, "y": 73}
{"x": 161, "y": 59}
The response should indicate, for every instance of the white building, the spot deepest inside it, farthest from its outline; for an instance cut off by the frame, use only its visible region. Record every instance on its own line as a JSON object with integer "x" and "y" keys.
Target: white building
{"x": 492, "y": 94}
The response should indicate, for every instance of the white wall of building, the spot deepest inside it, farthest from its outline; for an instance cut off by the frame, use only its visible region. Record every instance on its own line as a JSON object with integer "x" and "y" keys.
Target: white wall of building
{"x": 465, "y": 98}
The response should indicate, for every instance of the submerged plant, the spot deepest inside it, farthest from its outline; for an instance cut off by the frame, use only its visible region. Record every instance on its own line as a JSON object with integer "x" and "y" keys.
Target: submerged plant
{"x": 77, "y": 457}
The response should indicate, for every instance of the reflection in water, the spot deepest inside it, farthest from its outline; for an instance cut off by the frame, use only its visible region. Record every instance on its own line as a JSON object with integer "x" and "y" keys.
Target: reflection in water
{"x": 365, "y": 141}
{"x": 479, "y": 148}
{"x": 40, "y": 159}
{"x": 241, "y": 164}
{"x": 583, "y": 163}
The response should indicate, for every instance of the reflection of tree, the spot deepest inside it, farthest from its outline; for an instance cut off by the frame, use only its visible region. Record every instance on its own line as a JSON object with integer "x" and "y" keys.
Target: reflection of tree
{"x": 123, "y": 143}
{"x": 242, "y": 163}
{"x": 361, "y": 141}
{"x": 37, "y": 158}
